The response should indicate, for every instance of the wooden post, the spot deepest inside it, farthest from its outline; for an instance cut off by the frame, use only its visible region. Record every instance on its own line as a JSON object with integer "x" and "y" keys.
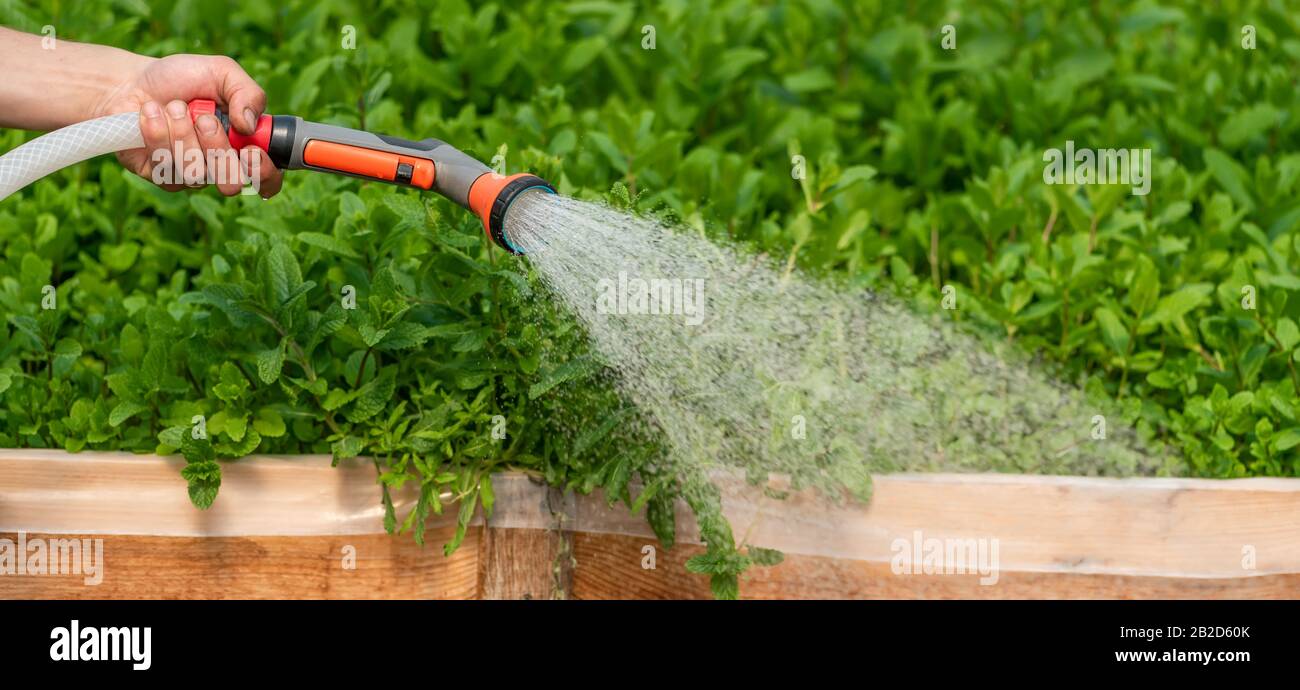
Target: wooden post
{"x": 523, "y": 563}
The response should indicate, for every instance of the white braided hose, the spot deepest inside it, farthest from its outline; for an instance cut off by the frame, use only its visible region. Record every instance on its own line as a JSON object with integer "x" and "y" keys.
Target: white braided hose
{"x": 68, "y": 146}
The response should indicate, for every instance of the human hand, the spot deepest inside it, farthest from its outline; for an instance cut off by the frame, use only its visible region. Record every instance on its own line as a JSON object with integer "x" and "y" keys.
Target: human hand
{"x": 160, "y": 91}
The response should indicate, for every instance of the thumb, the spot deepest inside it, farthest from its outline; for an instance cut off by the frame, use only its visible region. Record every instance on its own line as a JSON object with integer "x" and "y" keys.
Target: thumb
{"x": 245, "y": 100}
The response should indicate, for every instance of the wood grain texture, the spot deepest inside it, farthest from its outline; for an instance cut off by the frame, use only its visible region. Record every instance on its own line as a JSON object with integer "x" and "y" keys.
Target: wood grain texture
{"x": 125, "y": 493}
{"x": 272, "y": 533}
{"x": 1149, "y": 527}
{"x": 610, "y": 567}
{"x": 260, "y": 567}
{"x": 524, "y": 564}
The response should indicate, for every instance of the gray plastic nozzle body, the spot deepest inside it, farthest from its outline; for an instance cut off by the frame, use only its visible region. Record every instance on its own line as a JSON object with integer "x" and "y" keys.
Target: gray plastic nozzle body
{"x": 455, "y": 170}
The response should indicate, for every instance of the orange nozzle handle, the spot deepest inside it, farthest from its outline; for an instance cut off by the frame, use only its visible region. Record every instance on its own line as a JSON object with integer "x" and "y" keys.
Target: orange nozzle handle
{"x": 363, "y": 162}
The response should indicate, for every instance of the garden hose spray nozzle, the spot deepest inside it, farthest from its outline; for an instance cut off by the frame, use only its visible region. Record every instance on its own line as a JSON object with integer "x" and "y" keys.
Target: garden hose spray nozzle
{"x": 296, "y": 144}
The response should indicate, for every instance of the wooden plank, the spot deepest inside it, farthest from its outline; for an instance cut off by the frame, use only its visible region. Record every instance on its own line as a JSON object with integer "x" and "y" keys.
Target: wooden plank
{"x": 263, "y": 567}
{"x": 125, "y": 493}
{"x": 1148, "y": 527}
{"x": 607, "y": 567}
{"x": 1055, "y": 536}
{"x": 611, "y": 567}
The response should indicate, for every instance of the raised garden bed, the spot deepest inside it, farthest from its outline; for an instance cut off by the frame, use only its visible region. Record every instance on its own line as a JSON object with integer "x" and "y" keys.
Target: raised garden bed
{"x": 282, "y": 527}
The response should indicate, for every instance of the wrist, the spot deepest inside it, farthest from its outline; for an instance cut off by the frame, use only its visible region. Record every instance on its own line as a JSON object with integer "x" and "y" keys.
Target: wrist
{"x": 117, "y": 76}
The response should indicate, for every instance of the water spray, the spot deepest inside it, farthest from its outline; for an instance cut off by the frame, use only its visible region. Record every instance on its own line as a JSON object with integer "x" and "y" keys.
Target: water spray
{"x": 293, "y": 143}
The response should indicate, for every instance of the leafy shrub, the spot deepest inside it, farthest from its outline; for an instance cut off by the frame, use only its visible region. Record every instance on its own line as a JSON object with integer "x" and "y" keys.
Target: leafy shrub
{"x": 923, "y": 170}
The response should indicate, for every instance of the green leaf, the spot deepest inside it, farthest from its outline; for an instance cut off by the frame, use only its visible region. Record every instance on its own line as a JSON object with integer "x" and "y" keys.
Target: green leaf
{"x": 328, "y": 243}
{"x": 410, "y": 212}
{"x": 236, "y": 425}
{"x": 336, "y": 398}
{"x": 765, "y": 557}
{"x": 279, "y": 274}
{"x": 124, "y": 411}
{"x": 849, "y": 177}
{"x": 1112, "y": 330}
{"x": 270, "y": 362}
{"x": 472, "y": 341}
{"x": 402, "y": 336}
{"x": 201, "y": 471}
{"x": 204, "y": 480}
{"x": 725, "y": 586}
{"x": 735, "y": 61}
{"x": 237, "y": 448}
{"x": 119, "y": 258}
{"x": 1247, "y": 124}
{"x": 661, "y": 513}
{"x": 131, "y": 343}
{"x": 719, "y": 561}
{"x": 373, "y": 396}
{"x": 1146, "y": 287}
{"x": 1148, "y": 82}
{"x": 1174, "y": 306}
{"x": 269, "y": 423}
{"x": 581, "y": 54}
{"x": 370, "y": 335}
{"x": 485, "y": 495}
{"x": 810, "y": 80}
{"x": 233, "y": 384}
{"x": 207, "y": 209}
{"x": 573, "y": 369}
{"x": 1287, "y": 439}
{"x": 154, "y": 367}
{"x": 1231, "y": 176}
{"x": 463, "y": 517}
{"x": 66, "y": 352}
{"x": 347, "y": 447}
{"x": 234, "y": 302}
{"x": 609, "y": 149}
{"x": 1162, "y": 379}
{"x": 333, "y": 319}
{"x": 1288, "y": 334}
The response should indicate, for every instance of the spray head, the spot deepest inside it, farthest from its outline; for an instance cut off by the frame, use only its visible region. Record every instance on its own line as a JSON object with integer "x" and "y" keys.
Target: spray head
{"x": 490, "y": 198}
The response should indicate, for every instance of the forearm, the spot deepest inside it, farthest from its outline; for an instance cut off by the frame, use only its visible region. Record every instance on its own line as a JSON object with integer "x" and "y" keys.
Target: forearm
{"x": 48, "y": 89}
